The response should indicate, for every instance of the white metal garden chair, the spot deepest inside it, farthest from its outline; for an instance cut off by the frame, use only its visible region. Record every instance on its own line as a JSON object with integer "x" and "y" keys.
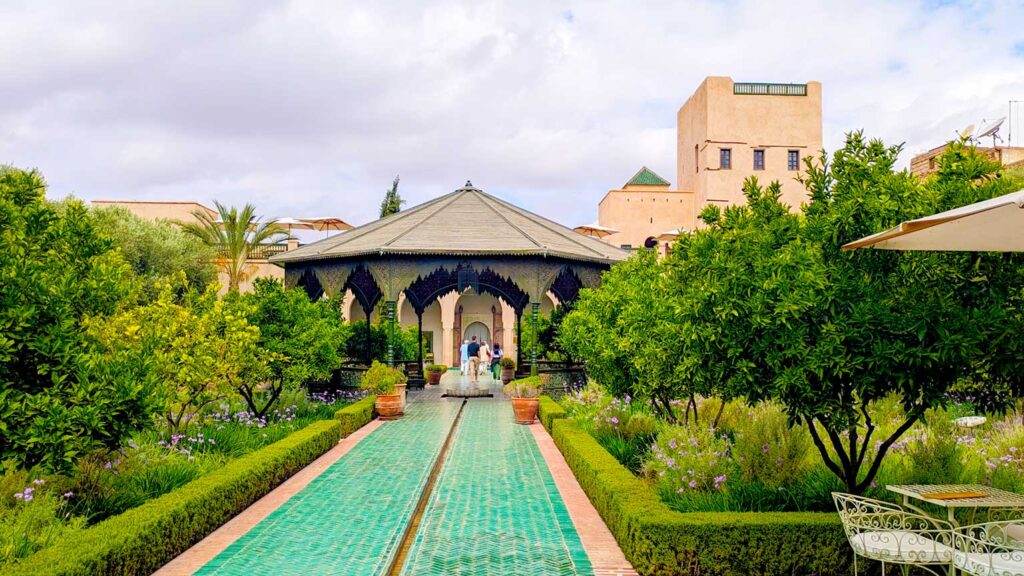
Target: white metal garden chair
{"x": 990, "y": 549}
{"x": 885, "y": 532}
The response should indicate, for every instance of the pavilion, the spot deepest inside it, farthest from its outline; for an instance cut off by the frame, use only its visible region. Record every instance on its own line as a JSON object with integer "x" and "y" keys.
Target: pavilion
{"x": 466, "y": 263}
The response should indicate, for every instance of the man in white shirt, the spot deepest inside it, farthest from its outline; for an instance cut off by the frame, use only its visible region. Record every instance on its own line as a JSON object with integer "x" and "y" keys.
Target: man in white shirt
{"x": 464, "y": 357}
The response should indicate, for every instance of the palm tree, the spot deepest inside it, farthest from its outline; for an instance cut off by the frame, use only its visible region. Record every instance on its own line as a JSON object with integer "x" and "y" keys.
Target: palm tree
{"x": 234, "y": 234}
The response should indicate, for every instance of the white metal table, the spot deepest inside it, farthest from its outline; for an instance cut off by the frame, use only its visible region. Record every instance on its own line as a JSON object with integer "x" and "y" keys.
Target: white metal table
{"x": 993, "y": 499}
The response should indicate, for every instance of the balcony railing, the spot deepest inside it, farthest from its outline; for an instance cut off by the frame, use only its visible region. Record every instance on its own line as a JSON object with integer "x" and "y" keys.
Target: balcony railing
{"x": 764, "y": 89}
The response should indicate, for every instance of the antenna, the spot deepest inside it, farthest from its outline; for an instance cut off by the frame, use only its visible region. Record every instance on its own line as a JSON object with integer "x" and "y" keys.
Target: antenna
{"x": 966, "y": 133}
{"x": 991, "y": 129}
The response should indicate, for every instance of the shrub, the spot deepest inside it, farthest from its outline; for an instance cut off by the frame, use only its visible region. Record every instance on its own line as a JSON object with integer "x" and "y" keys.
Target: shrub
{"x": 355, "y": 415}
{"x": 32, "y": 518}
{"x": 156, "y": 249}
{"x": 690, "y": 458}
{"x": 60, "y": 398}
{"x": 768, "y": 450}
{"x": 507, "y": 363}
{"x": 935, "y": 456}
{"x": 658, "y": 540}
{"x": 548, "y": 411}
{"x": 529, "y": 387}
{"x": 436, "y": 368}
{"x": 144, "y": 538}
{"x": 380, "y": 379}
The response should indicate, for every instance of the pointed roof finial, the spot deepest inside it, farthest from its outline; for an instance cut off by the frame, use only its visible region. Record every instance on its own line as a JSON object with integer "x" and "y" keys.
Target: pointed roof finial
{"x": 469, "y": 184}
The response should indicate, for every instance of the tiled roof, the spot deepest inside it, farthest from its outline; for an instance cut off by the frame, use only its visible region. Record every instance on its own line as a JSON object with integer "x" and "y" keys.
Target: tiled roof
{"x": 646, "y": 177}
{"x": 466, "y": 222}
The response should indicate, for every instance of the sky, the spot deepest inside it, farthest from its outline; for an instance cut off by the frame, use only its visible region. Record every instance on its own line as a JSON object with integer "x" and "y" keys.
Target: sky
{"x": 310, "y": 108}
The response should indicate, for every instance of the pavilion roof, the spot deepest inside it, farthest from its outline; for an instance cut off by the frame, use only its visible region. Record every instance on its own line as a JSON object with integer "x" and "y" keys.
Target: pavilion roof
{"x": 466, "y": 222}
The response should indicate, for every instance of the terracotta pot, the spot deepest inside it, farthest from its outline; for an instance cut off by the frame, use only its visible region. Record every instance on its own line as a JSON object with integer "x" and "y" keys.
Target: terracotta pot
{"x": 388, "y": 406}
{"x": 525, "y": 409}
{"x": 434, "y": 378}
{"x": 507, "y": 374}
{"x": 400, "y": 390}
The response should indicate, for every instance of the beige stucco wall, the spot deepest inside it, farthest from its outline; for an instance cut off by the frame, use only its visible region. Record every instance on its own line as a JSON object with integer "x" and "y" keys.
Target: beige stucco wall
{"x": 927, "y": 162}
{"x": 176, "y": 211}
{"x": 258, "y": 269}
{"x": 714, "y": 118}
{"x": 639, "y": 212}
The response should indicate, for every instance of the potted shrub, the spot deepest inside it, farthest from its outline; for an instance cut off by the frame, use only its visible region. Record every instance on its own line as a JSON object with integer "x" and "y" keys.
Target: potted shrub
{"x": 508, "y": 370}
{"x": 434, "y": 373}
{"x": 384, "y": 382}
{"x": 525, "y": 394}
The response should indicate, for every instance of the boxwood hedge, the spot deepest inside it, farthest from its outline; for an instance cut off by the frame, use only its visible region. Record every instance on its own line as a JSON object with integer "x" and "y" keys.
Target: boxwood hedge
{"x": 143, "y": 539}
{"x": 659, "y": 540}
{"x": 355, "y": 415}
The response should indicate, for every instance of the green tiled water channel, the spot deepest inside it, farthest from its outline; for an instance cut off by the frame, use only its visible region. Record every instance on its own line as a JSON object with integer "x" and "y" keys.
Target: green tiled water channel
{"x": 495, "y": 509}
{"x": 351, "y": 518}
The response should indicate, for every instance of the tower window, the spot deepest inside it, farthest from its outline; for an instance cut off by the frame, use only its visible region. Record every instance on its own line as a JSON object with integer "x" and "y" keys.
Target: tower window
{"x": 758, "y": 159}
{"x": 725, "y": 159}
{"x": 793, "y": 160}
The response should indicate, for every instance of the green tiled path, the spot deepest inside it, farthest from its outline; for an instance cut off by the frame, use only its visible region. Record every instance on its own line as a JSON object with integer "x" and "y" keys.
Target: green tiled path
{"x": 351, "y": 518}
{"x": 495, "y": 509}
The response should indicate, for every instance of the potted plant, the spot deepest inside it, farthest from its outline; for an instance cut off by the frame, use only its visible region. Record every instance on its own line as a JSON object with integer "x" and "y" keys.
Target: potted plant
{"x": 525, "y": 394}
{"x": 434, "y": 373}
{"x": 384, "y": 382}
{"x": 508, "y": 370}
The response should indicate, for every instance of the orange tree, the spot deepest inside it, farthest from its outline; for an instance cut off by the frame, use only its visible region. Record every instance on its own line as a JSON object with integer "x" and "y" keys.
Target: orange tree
{"x": 60, "y": 397}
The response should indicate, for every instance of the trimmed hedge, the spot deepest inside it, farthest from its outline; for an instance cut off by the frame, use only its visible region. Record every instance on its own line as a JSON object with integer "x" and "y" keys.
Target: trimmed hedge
{"x": 145, "y": 538}
{"x": 659, "y": 540}
{"x": 355, "y": 415}
{"x": 549, "y": 410}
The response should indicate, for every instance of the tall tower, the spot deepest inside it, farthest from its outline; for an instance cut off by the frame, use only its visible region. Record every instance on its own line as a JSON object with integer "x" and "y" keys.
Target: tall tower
{"x": 728, "y": 131}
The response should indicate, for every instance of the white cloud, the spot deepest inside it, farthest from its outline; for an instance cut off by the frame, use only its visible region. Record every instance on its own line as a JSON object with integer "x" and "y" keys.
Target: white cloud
{"x": 312, "y": 107}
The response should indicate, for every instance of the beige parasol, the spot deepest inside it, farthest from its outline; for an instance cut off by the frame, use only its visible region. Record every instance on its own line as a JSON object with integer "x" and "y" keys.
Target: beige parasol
{"x": 595, "y": 230}
{"x": 995, "y": 225}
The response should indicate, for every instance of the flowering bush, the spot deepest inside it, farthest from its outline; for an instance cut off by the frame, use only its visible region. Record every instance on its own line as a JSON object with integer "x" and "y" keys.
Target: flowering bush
{"x": 32, "y": 516}
{"x": 621, "y": 426}
{"x": 690, "y": 458}
{"x": 768, "y": 450}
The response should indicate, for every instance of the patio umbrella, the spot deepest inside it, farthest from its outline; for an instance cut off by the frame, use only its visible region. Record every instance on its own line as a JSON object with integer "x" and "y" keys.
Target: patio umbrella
{"x": 327, "y": 224}
{"x": 595, "y": 230}
{"x": 293, "y": 223}
{"x": 670, "y": 235}
{"x": 994, "y": 225}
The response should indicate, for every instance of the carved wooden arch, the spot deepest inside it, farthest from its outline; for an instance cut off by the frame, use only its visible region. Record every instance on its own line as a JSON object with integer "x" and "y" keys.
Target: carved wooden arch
{"x": 567, "y": 287}
{"x": 309, "y": 282}
{"x": 364, "y": 287}
{"x": 423, "y": 291}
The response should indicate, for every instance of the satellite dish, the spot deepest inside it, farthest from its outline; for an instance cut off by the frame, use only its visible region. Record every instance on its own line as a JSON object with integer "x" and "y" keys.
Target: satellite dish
{"x": 991, "y": 129}
{"x": 966, "y": 133}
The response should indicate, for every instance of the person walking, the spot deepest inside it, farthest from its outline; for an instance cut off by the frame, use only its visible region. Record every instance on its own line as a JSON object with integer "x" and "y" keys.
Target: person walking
{"x": 496, "y": 360}
{"x": 473, "y": 353}
{"x": 485, "y": 357}
{"x": 464, "y": 357}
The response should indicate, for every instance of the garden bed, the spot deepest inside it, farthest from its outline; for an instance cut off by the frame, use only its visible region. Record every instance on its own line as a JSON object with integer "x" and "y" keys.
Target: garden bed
{"x": 659, "y": 540}
{"x": 143, "y": 539}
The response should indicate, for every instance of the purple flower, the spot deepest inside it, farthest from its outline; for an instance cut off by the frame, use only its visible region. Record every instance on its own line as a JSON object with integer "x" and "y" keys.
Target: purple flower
{"x": 19, "y": 495}
{"x": 672, "y": 444}
{"x": 39, "y": 481}
{"x": 28, "y": 497}
{"x": 693, "y": 483}
{"x": 614, "y": 420}
{"x": 765, "y": 448}
{"x": 69, "y": 494}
